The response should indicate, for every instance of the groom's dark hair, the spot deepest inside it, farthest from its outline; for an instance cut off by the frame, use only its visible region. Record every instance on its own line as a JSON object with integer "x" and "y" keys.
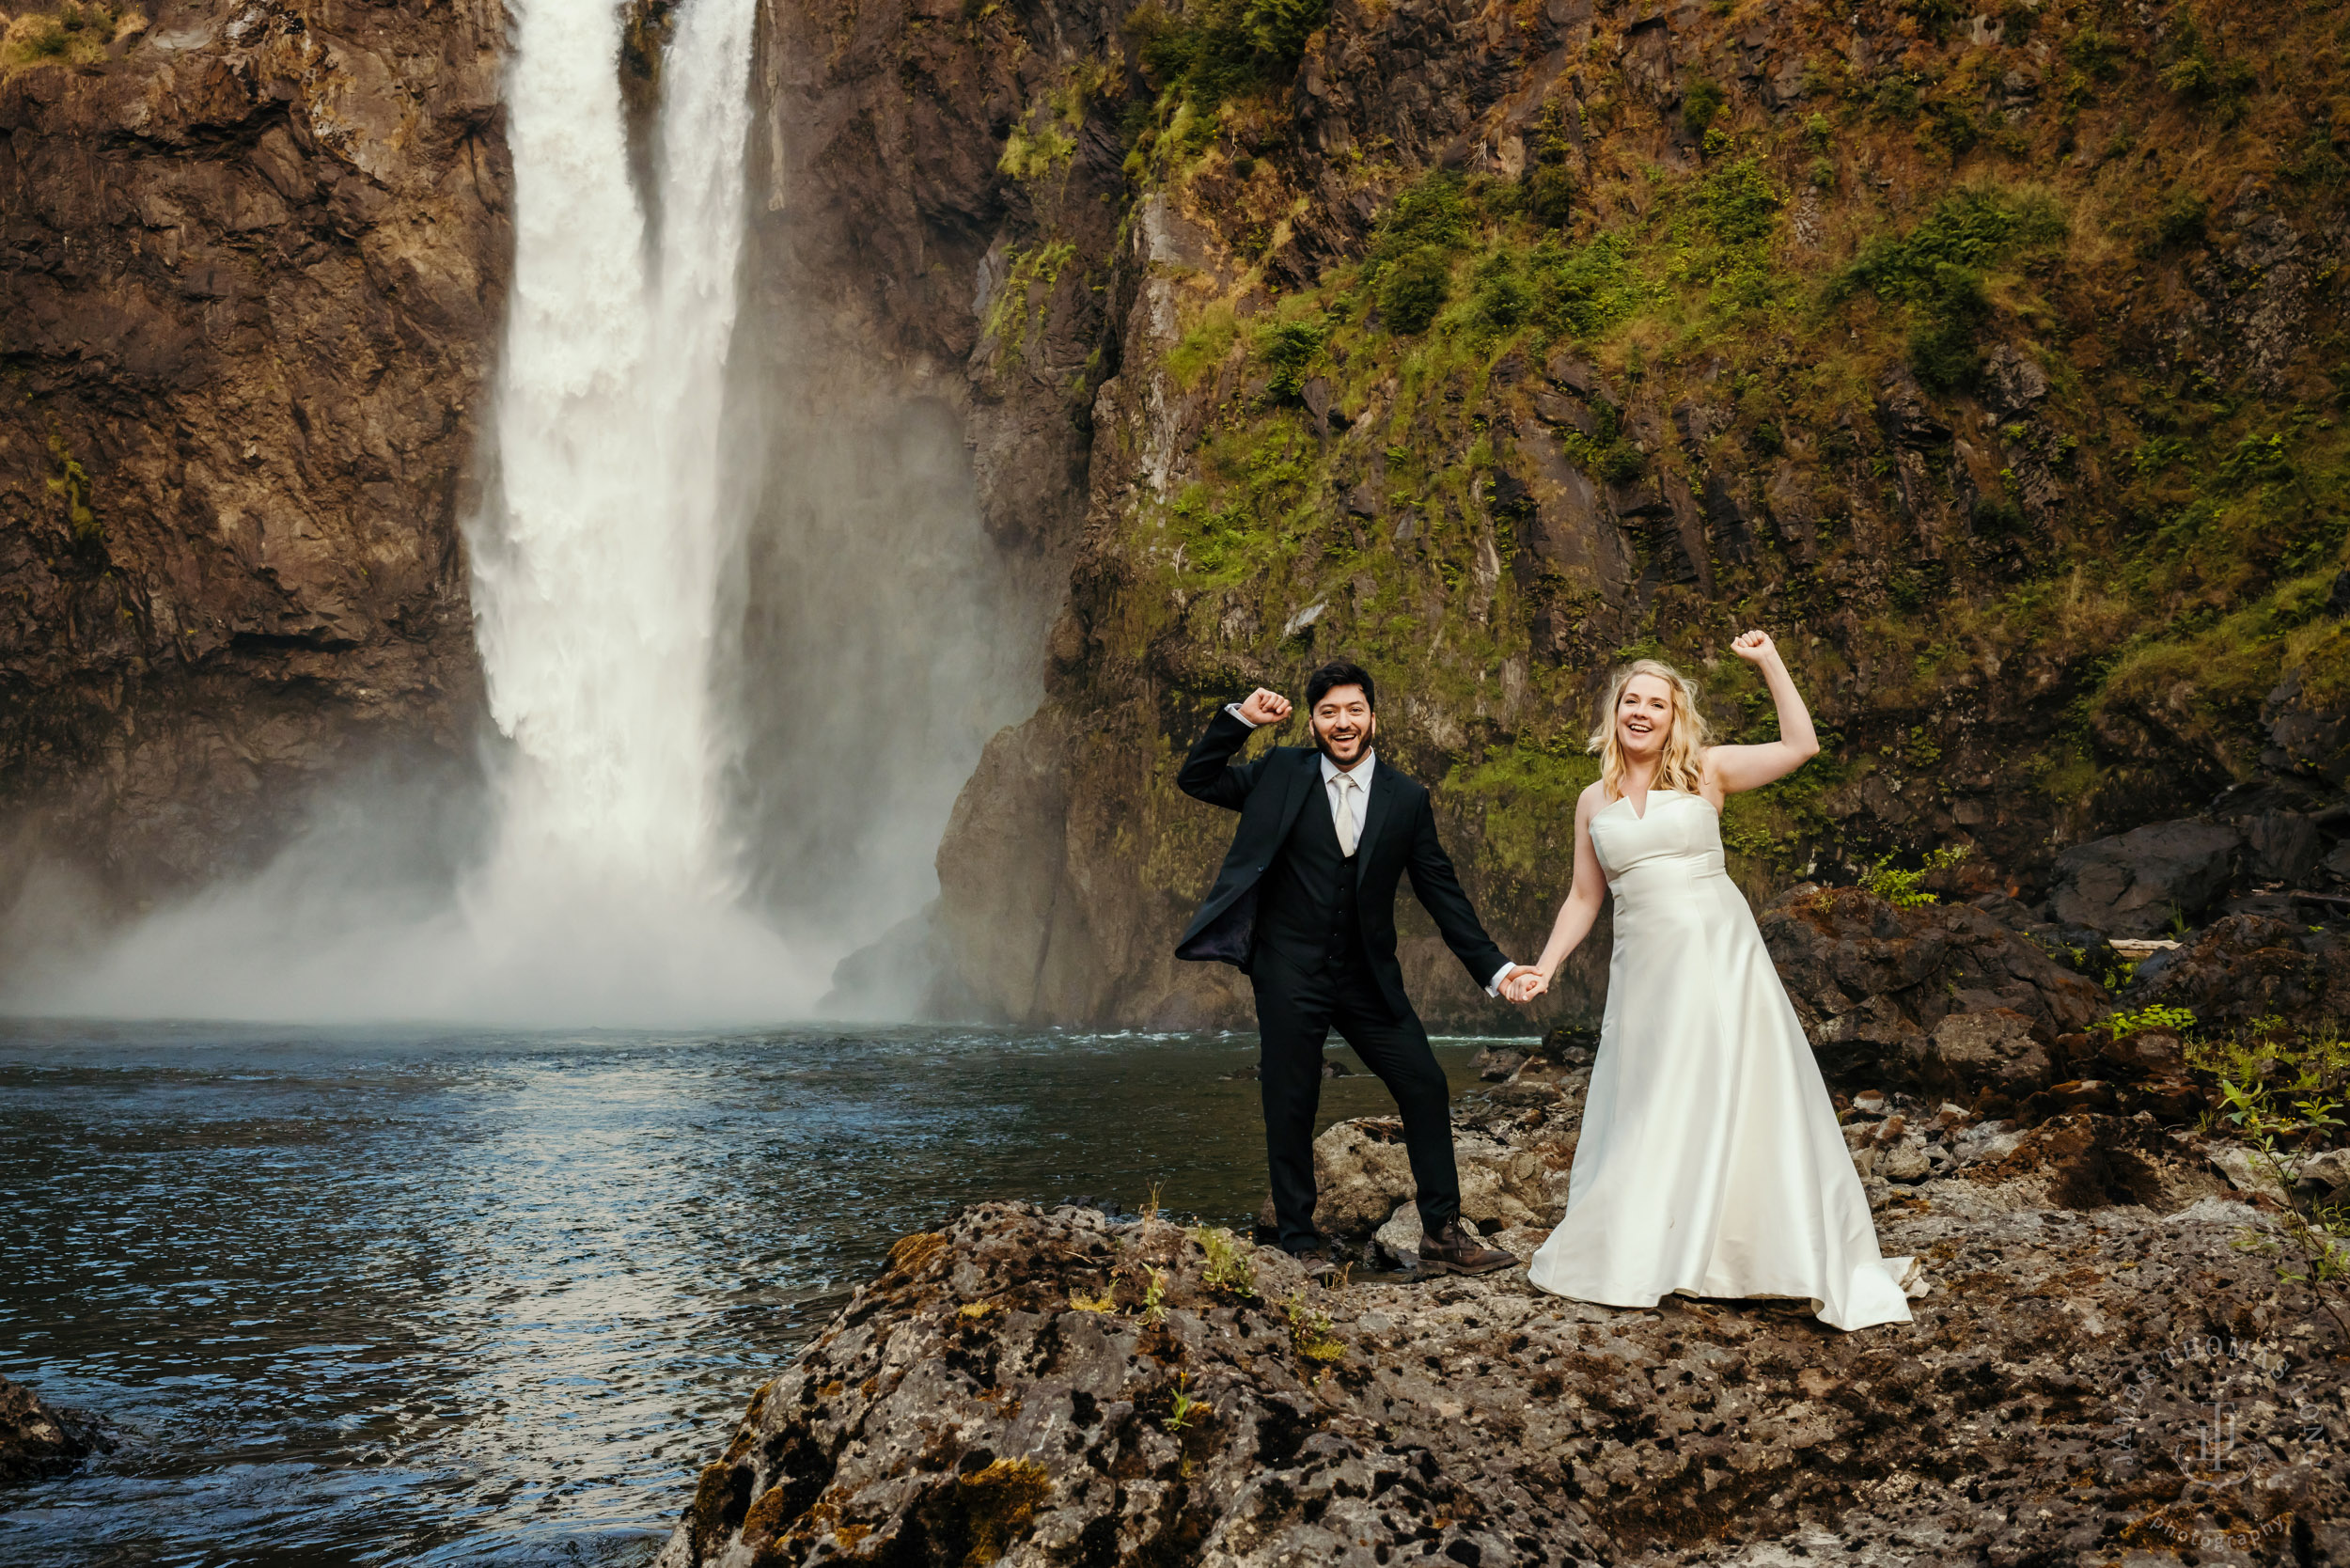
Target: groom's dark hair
{"x": 1320, "y": 683}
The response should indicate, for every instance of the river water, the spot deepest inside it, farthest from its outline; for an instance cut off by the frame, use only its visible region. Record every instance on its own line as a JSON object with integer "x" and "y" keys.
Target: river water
{"x": 382, "y": 1297}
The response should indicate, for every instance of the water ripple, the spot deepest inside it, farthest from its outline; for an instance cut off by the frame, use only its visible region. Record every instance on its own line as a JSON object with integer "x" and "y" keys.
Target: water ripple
{"x": 381, "y": 1298}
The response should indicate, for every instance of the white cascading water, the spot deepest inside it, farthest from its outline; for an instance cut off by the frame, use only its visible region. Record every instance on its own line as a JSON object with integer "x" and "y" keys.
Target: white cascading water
{"x": 596, "y": 588}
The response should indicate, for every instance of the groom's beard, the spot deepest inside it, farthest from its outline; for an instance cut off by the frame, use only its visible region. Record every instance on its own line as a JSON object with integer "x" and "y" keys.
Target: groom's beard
{"x": 1362, "y": 743}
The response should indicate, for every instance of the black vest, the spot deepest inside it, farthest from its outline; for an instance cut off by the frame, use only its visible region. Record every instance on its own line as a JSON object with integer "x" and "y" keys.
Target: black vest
{"x": 1306, "y": 904}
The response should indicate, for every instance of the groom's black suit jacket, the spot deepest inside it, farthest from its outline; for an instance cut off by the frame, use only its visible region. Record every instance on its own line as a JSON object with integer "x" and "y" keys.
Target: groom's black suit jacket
{"x": 1398, "y": 838}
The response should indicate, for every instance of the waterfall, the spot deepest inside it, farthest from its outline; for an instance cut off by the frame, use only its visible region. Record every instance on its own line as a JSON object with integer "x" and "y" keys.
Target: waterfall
{"x": 597, "y": 579}
{"x": 607, "y": 889}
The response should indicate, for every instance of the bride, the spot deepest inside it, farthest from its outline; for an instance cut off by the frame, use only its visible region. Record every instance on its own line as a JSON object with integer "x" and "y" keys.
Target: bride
{"x": 1709, "y": 1162}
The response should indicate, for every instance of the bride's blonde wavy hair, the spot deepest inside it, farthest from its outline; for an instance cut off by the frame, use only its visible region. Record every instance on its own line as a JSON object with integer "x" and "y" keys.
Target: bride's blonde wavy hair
{"x": 1685, "y": 745}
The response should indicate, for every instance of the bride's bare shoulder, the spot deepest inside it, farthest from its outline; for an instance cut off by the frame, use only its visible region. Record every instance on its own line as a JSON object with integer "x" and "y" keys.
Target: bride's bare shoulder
{"x": 1594, "y": 796}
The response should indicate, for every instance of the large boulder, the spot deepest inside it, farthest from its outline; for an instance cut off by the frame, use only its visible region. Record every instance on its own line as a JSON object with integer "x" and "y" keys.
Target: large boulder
{"x": 1993, "y": 1049}
{"x": 1873, "y": 984}
{"x": 2286, "y": 823}
{"x": 2283, "y": 846}
{"x": 2309, "y": 736}
{"x": 2247, "y": 966}
{"x": 2136, "y": 884}
{"x": 38, "y": 1439}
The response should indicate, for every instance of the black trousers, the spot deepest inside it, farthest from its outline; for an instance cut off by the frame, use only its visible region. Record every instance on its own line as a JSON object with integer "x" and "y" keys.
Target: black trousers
{"x": 1296, "y": 1013}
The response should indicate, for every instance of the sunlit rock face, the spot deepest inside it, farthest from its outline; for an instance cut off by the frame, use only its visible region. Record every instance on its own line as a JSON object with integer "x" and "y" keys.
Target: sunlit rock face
{"x": 255, "y": 267}
{"x": 1676, "y": 362}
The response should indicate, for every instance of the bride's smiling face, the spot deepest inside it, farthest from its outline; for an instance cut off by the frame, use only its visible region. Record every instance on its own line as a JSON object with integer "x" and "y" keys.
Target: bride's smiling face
{"x": 1644, "y": 716}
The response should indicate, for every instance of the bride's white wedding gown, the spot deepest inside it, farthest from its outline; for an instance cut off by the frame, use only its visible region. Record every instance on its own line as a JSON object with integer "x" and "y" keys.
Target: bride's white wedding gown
{"x": 1709, "y": 1162}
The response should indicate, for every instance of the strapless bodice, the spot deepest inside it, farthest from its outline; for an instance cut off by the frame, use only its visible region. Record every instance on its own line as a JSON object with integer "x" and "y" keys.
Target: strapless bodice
{"x": 1681, "y": 837}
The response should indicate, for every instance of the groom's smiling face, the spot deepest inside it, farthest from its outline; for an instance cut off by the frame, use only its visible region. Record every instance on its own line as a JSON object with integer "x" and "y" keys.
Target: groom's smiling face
{"x": 1344, "y": 725}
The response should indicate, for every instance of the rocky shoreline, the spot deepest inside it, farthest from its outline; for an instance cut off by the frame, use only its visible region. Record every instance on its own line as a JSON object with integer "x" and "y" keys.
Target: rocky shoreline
{"x": 2107, "y": 1363}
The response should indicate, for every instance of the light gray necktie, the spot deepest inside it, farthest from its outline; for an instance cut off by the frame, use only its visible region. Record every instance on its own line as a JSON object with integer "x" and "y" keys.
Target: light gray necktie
{"x": 1346, "y": 814}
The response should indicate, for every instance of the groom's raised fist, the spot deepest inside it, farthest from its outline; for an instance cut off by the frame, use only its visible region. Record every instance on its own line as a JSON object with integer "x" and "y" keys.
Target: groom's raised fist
{"x": 1264, "y": 707}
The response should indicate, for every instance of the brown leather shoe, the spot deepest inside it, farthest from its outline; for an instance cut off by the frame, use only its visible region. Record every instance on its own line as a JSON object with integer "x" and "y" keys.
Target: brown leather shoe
{"x": 1455, "y": 1250}
{"x": 1319, "y": 1264}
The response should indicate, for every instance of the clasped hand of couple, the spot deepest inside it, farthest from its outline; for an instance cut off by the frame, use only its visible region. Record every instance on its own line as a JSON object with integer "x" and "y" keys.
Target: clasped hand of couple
{"x": 1523, "y": 984}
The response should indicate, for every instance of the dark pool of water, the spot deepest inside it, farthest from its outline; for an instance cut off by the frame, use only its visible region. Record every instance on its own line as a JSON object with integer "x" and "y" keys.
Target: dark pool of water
{"x": 373, "y": 1297}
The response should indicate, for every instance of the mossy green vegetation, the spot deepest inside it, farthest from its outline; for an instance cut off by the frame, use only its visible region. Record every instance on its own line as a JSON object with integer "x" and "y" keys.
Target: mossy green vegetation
{"x": 1199, "y": 56}
{"x": 1937, "y": 268}
{"x": 2280, "y": 1090}
{"x": 76, "y": 33}
{"x": 69, "y": 482}
{"x": 1225, "y": 1264}
{"x": 1525, "y": 794}
{"x": 1207, "y": 51}
{"x": 1904, "y": 886}
{"x": 1020, "y": 303}
{"x": 1310, "y": 1330}
{"x": 1897, "y": 369}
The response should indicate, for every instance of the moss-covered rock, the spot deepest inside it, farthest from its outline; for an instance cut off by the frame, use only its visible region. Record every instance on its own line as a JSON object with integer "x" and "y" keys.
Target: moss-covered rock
{"x": 1991, "y": 366}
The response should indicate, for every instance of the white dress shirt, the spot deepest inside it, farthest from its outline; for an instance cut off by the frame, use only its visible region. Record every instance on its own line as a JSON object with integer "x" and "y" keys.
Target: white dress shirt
{"x": 1359, "y": 777}
{"x": 1336, "y": 792}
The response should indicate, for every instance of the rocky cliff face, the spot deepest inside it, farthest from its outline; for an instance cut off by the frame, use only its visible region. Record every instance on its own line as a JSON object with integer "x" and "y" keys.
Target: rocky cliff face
{"x": 1991, "y": 360}
{"x": 254, "y": 266}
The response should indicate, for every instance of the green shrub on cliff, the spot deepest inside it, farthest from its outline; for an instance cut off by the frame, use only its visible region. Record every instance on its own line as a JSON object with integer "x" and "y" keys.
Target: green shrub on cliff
{"x": 1432, "y": 211}
{"x": 1942, "y": 349}
{"x": 1550, "y": 194}
{"x": 1738, "y": 203}
{"x": 1288, "y": 348}
{"x": 1549, "y": 191}
{"x": 1280, "y": 28}
{"x": 1971, "y": 227}
{"x": 1935, "y": 18}
{"x": 1721, "y": 235}
{"x": 1590, "y": 289}
{"x": 1937, "y": 268}
{"x": 1901, "y": 888}
{"x": 2202, "y": 76}
{"x": 1504, "y": 298}
{"x": 1413, "y": 288}
{"x": 1699, "y": 105}
{"x": 2182, "y": 218}
{"x": 1212, "y": 49}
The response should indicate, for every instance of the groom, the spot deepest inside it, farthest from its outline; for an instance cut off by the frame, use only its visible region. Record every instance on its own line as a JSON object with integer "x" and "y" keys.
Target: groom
{"x": 1305, "y": 906}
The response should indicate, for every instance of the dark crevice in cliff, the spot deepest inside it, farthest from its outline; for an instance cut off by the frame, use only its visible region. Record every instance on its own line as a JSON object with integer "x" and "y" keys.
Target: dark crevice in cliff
{"x": 315, "y": 642}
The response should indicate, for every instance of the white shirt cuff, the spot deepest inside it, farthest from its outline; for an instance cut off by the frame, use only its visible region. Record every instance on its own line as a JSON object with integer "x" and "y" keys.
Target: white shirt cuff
{"x": 1494, "y": 988}
{"x": 1234, "y": 709}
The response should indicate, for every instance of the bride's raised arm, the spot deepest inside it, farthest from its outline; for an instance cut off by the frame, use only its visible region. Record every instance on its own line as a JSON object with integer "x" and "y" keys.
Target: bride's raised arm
{"x": 1580, "y": 910}
{"x": 1732, "y": 768}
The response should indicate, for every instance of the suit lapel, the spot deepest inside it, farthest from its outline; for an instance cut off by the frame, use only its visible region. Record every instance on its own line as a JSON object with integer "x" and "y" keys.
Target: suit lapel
{"x": 1383, "y": 788}
{"x": 1302, "y": 779}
